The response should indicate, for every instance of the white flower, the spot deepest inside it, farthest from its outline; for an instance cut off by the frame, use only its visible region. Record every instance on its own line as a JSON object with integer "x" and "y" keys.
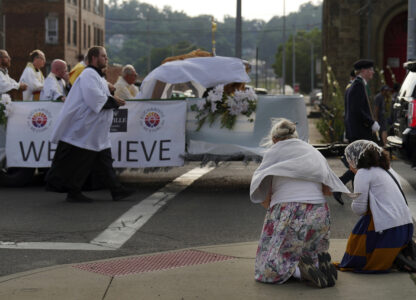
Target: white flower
{"x": 244, "y": 106}
{"x": 215, "y": 95}
{"x": 5, "y": 99}
{"x": 8, "y": 111}
{"x": 213, "y": 106}
{"x": 234, "y": 107}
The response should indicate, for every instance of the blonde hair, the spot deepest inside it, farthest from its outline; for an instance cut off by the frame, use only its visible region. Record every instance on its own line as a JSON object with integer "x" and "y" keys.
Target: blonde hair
{"x": 281, "y": 129}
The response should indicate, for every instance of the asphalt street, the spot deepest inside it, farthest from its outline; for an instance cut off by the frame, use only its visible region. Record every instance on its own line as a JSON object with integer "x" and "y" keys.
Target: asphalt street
{"x": 39, "y": 229}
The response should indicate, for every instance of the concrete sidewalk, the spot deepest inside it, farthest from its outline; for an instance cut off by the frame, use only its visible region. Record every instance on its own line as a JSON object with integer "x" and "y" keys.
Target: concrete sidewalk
{"x": 214, "y": 272}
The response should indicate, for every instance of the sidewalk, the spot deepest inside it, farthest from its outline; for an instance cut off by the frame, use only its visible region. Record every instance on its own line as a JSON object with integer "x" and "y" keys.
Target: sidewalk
{"x": 214, "y": 272}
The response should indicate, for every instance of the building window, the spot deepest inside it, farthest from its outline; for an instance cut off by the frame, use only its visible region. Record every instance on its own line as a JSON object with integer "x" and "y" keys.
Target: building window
{"x": 85, "y": 4}
{"x": 89, "y": 5}
{"x": 74, "y": 32}
{"x": 97, "y": 6}
{"x": 85, "y": 35}
{"x": 89, "y": 36}
{"x": 68, "y": 36}
{"x": 75, "y": 2}
{"x": 51, "y": 30}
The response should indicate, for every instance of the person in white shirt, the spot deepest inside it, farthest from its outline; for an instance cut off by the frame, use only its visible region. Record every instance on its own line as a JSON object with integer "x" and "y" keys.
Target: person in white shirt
{"x": 292, "y": 182}
{"x": 55, "y": 83}
{"x": 82, "y": 134}
{"x": 386, "y": 224}
{"x": 6, "y": 82}
{"x": 125, "y": 88}
{"x": 33, "y": 76}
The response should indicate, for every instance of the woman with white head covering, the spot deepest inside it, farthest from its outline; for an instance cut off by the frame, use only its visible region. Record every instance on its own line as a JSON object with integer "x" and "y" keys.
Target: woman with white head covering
{"x": 385, "y": 226}
{"x": 294, "y": 178}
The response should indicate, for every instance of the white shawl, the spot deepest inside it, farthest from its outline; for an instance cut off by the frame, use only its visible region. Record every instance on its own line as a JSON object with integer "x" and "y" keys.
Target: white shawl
{"x": 293, "y": 158}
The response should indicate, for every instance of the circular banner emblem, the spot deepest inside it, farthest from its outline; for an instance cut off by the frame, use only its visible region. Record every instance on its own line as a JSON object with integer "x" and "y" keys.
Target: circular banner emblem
{"x": 152, "y": 119}
{"x": 39, "y": 120}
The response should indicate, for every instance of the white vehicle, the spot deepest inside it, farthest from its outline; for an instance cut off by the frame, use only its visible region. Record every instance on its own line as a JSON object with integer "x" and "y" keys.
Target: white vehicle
{"x": 209, "y": 141}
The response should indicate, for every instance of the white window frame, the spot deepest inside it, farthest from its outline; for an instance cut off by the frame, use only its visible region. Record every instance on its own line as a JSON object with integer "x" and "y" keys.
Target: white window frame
{"x": 50, "y": 39}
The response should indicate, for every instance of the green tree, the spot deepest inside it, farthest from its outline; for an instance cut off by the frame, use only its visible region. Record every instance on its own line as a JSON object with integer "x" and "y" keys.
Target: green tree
{"x": 303, "y": 41}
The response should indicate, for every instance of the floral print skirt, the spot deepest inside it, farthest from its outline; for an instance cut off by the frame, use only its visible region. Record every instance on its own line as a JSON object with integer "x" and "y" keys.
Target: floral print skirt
{"x": 290, "y": 231}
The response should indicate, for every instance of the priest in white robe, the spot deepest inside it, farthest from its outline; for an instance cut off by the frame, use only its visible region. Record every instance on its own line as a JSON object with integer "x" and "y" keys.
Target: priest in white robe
{"x": 33, "y": 76}
{"x": 82, "y": 134}
{"x": 6, "y": 82}
{"x": 54, "y": 87}
{"x": 125, "y": 88}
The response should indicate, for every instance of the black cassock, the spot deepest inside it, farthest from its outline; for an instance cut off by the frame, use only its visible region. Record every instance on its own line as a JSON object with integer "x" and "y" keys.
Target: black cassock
{"x": 358, "y": 118}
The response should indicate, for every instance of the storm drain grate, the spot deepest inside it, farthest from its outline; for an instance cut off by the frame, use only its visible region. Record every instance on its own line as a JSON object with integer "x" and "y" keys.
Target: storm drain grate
{"x": 150, "y": 263}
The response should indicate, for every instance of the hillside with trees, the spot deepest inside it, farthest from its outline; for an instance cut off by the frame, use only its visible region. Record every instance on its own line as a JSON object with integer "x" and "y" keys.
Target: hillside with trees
{"x": 143, "y": 35}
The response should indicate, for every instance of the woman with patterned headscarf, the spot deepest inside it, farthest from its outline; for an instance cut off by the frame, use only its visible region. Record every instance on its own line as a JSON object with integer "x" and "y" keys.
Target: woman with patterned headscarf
{"x": 385, "y": 226}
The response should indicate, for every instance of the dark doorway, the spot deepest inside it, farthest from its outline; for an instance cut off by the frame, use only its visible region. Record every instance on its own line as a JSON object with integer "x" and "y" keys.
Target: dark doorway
{"x": 395, "y": 47}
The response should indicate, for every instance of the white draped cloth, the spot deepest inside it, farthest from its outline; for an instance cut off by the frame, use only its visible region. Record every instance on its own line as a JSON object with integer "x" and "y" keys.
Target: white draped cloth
{"x": 82, "y": 121}
{"x": 53, "y": 88}
{"x": 204, "y": 71}
{"x": 34, "y": 81}
{"x": 7, "y": 83}
{"x": 293, "y": 158}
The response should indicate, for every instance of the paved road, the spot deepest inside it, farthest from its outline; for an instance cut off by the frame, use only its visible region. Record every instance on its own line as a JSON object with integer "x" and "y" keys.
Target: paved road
{"x": 171, "y": 211}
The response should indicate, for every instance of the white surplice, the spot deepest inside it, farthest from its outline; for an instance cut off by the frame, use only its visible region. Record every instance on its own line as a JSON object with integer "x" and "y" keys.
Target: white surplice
{"x": 125, "y": 90}
{"x": 7, "y": 83}
{"x": 34, "y": 81}
{"x": 53, "y": 88}
{"x": 83, "y": 122}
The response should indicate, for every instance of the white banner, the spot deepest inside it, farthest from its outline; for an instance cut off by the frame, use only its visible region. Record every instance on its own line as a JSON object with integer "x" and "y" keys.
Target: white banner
{"x": 143, "y": 134}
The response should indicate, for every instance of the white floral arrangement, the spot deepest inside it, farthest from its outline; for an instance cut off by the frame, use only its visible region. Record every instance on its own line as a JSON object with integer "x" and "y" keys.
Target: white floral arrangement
{"x": 227, "y": 107}
{"x": 5, "y": 108}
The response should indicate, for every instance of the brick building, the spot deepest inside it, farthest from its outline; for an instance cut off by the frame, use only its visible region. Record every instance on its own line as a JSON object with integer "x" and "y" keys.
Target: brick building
{"x": 353, "y": 29}
{"x": 62, "y": 29}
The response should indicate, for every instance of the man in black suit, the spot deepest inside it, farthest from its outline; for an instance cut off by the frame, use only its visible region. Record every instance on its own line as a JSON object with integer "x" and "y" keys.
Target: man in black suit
{"x": 359, "y": 120}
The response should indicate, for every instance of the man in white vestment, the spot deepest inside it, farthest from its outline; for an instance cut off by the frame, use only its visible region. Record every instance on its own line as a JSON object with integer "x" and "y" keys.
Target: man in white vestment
{"x": 82, "y": 134}
{"x": 55, "y": 83}
{"x": 33, "y": 76}
{"x": 6, "y": 82}
{"x": 125, "y": 88}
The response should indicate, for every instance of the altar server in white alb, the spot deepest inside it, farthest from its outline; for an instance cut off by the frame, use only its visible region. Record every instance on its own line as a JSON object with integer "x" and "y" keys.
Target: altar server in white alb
{"x": 55, "y": 84}
{"x": 125, "y": 87}
{"x": 6, "y": 82}
{"x": 82, "y": 134}
{"x": 33, "y": 76}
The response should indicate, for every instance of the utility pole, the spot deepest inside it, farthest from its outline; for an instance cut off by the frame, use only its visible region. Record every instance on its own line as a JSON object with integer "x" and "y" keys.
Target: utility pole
{"x": 284, "y": 49}
{"x": 238, "y": 31}
{"x": 411, "y": 28}
{"x": 257, "y": 66}
{"x": 293, "y": 57}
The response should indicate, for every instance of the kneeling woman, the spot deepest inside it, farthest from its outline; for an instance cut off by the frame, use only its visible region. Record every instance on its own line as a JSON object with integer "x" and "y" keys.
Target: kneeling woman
{"x": 293, "y": 178}
{"x": 385, "y": 226}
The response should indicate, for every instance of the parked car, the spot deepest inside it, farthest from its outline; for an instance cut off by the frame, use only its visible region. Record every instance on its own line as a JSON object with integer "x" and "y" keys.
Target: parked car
{"x": 403, "y": 136}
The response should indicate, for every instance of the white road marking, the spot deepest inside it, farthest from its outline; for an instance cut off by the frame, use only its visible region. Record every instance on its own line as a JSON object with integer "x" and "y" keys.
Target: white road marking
{"x": 51, "y": 246}
{"x": 122, "y": 229}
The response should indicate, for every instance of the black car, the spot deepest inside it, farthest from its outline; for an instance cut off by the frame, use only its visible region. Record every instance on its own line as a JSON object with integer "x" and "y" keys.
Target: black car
{"x": 403, "y": 132}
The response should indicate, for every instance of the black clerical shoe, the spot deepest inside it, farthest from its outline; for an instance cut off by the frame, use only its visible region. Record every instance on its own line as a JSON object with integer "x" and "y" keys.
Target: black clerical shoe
{"x": 78, "y": 197}
{"x": 337, "y": 196}
{"x": 121, "y": 193}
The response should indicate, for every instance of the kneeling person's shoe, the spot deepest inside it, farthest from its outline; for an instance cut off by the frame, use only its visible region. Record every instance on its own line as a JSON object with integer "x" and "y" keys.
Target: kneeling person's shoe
{"x": 309, "y": 272}
{"x": 122, "y": 193}
{"x": 78, "y": 197}
{"x": 327, "y": 268}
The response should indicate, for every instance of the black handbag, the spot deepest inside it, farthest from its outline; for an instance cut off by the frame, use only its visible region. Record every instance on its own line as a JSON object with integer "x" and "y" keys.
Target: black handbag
{"x": 406, "y": 259}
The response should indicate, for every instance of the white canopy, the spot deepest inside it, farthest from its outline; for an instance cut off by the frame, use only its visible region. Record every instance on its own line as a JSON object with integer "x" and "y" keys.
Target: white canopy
{"x": 204, "y": 71}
